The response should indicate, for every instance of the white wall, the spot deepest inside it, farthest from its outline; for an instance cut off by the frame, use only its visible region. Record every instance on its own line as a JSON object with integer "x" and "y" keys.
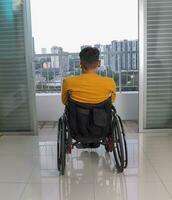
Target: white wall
{"x": 127, "y": 105}
{"x": 50, "y": 108}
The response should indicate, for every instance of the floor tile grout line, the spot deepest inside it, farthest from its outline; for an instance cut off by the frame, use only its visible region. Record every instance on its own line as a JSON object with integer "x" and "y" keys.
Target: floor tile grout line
{"x": 22, "y": 192}
{"x": 161, "y": 181}
{"x": 16, "y": 182}
{"x": 13, "y": 182}
{"x": 27, "y": 182}
{"x": 29, "y": 177}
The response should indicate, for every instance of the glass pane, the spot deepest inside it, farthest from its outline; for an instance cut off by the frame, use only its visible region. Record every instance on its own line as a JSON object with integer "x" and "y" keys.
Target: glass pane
{"x": 159, "y": 65}
{"x": 14, "y": 103}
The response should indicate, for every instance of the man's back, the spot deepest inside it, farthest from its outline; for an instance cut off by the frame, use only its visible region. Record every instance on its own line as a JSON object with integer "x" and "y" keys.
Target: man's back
{"x": 88, "y": 88}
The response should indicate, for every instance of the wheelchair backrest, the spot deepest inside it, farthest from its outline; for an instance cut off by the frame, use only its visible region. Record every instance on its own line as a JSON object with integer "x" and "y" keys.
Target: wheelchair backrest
{"x": 89, "y": 120}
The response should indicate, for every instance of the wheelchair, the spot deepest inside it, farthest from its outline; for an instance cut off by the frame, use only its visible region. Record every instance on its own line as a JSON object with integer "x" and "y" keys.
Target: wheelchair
{"x": 87, "y": 124}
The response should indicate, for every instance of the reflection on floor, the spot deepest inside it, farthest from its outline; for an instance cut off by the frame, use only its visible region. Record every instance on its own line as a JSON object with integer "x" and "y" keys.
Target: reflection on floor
{"x": 28, "y": 170}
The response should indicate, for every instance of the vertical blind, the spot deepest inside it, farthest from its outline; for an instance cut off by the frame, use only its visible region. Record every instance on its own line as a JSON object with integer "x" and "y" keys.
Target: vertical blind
{"x": 159, "y": 64}
{"x": 15, "y": 110}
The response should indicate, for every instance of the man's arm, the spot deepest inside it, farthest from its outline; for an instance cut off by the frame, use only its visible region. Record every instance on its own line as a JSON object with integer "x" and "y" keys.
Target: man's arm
{"x": 64, "y": 94}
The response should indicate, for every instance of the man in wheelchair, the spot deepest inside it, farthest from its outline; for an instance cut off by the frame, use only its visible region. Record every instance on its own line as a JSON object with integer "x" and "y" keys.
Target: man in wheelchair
{"x": 90, "y": 119}
{"x": 89, "y": 88}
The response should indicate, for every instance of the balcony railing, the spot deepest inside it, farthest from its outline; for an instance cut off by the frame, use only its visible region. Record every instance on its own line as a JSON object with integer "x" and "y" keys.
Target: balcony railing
{"x": 51, "y": 69}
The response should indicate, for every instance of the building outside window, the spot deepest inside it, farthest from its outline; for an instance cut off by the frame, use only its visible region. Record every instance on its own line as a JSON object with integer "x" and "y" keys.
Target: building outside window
{"x": 117, "y": 43}
{"x": 119, "y": 60}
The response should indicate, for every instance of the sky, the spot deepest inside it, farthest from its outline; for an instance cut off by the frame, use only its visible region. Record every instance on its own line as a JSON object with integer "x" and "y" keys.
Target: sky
{"x": 72, "y": 23}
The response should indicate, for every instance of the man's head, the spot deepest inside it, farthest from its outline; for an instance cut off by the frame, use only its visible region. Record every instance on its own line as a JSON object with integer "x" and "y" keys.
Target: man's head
{"x": 89, "y": 59}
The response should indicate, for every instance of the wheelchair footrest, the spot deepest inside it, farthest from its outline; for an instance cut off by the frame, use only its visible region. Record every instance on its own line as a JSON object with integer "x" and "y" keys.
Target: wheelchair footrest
{"x": 109, "y": 145}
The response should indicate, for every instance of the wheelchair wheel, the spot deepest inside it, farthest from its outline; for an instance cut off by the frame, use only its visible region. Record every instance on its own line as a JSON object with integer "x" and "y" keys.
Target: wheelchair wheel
{"x": 120, "y": 146}
{"x": 61, "y": 146}
{"x": 124, "y": 142}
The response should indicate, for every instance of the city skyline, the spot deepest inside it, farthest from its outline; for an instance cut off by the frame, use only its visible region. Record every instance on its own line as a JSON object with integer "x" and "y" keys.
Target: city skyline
{"x": 119, "y": 61}
{"x": 100, "y": 46}
{"x": 66, "y": 24}
{"x": 117, "y": 56}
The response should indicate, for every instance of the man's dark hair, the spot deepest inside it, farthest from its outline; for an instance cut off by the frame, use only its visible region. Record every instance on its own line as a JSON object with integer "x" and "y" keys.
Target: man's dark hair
{"x": 89, "y": 55}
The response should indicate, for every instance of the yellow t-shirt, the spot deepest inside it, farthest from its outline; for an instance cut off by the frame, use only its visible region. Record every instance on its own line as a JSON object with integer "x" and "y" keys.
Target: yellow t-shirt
{"x": 88, "y": 88}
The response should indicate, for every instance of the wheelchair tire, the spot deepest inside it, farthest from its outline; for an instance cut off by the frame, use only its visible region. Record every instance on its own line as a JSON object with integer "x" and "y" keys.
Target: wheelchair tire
{"x": 124, "y": 142}
{"x": 61, "y": 146}
{"x": 118, "y": 149}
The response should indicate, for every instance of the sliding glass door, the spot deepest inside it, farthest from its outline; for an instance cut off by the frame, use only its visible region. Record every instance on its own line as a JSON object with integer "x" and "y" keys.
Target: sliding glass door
{"x": 17, "y": 99}
{"x": 155, "y": 64}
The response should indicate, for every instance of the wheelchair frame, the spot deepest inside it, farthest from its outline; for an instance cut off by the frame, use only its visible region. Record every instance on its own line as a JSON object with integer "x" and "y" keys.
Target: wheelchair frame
{"x": 115, "y": 143}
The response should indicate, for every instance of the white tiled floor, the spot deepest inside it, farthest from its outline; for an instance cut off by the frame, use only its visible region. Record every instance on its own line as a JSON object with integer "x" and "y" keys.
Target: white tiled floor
{"x": 28, "y": 170}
